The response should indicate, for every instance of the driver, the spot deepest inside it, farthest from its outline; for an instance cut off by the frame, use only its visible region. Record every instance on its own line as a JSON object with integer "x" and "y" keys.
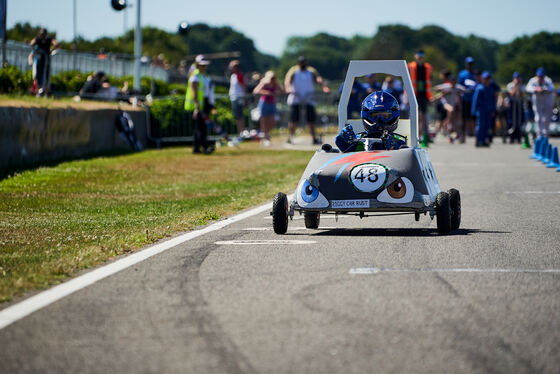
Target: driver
{"x": 380, "y": 115}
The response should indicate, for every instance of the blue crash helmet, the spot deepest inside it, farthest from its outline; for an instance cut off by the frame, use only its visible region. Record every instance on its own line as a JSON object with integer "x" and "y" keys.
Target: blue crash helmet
{"x": 380, "y": 111}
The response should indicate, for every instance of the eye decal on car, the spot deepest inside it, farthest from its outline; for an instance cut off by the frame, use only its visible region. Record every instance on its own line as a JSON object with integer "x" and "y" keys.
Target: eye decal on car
{"x": 309, "y": 196}
{"x": 400, "y": 191}
{"x": 308, "y": 192}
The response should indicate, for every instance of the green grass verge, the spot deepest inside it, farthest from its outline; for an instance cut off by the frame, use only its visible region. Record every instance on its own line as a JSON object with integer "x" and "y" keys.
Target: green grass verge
{"x": 57, "y": 220}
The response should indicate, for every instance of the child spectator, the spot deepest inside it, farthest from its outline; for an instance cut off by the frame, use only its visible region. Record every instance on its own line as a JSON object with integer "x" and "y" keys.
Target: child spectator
{"x": 268, "y": 88}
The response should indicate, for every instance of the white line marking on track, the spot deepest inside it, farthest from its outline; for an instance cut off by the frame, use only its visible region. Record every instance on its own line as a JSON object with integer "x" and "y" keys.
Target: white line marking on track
{"x": 26, "y": 307}
{"x": 289, "y": 228}
{"x": 323, "y": 216}
{"x": 265, "y": 242}
{"x": 374, "y": 270}
{"x": 533, "y": 192}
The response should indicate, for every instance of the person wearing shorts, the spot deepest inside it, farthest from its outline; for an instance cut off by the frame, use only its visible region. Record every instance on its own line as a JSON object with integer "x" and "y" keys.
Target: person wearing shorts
{"x": 467, "y": 79}
{"x": 299, "y": 83}
{"x": 268, "y": 88}
{"x": 237, "y": 94}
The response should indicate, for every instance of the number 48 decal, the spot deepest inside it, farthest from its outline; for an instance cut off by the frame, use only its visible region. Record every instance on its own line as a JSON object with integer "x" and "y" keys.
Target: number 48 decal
{"x": 368, "y": 177}
{"x": 372, "y": 176}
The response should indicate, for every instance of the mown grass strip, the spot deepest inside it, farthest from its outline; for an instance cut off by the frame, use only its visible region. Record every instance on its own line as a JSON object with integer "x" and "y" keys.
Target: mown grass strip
{"x": 55, "y": 221}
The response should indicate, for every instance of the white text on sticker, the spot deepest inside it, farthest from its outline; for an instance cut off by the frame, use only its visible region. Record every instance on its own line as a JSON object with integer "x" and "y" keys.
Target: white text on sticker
{"x": 348, "y": 204}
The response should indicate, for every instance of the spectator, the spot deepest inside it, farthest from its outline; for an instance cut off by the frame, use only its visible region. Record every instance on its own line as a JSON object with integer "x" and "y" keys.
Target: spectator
{"x": 449, "y": 106}
{"x": 198, "y": 103}
{"x": 503, "y": 107}
{"x": 237, "y": 94}
{"x": 268, "y": 88}
{"x": 421, "y": 76}
{"x": 92, "y": 86}
{"x": 516, "y": 112}
{"x": 483, "y": 107}
{"x": 299, "y": 83}
{"x": 468, "y": 81}
{"x": 370, "y": 85}
{"x": 42, "y": 46}
{"x": 495, "y": 92}
{"x": 389, "y": 86}
{"x": 542, "y": 90}
{"x": 394, "y": 86}
{"x": 355, "y": 100}
{"x": 102, "y": 55}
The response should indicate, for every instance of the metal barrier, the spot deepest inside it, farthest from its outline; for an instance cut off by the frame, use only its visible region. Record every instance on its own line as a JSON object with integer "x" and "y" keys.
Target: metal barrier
{"x": 175, "y": 125}
{"x": 17, "y": 54}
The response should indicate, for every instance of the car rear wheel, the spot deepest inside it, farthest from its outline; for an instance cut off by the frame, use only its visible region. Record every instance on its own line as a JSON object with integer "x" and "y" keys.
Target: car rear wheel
{"x": 443, "y": 211}
{"x": 280, "y": 213}
{"x": 455, "y": 205}
{"x": 312, "y": 219}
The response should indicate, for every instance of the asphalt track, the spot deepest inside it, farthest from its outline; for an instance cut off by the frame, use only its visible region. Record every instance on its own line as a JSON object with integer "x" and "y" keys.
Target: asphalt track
{"x": 379, "y": 295}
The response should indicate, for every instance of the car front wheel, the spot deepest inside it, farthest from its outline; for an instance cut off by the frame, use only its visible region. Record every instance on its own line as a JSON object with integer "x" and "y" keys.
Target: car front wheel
{"x": 280, "y": 213}
{"x": 443, "y": 212}
{"x": 312, "y": 219}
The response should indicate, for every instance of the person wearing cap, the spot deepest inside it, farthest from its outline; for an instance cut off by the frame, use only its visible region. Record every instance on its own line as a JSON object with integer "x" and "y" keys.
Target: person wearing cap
{"x": 483, "y": 108}
{"x": 299, "y": 84}
{"x": 237, "y": 94}
{"x": 421, "y": 76}
{"x": 199, "y": 100}
{"x": 516, "y": 111}
{"x": 542, "y": 90}
{"x": 467, "y": 79}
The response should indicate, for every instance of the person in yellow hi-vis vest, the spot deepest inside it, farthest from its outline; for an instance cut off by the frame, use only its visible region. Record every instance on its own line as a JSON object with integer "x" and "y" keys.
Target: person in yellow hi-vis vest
{"x": 198, "y": 103}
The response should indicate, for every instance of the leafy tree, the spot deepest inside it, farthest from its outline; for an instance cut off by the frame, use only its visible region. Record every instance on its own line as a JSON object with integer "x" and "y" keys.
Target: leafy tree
{"x": 203, "y": 38}
{"x": 25, "y": 32}
{"x": 329, "y": 54}
{"x": 525, "y": 54}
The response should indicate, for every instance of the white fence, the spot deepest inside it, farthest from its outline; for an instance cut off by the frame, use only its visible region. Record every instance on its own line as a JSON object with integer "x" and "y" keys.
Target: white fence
{"x": 17, "y": 55}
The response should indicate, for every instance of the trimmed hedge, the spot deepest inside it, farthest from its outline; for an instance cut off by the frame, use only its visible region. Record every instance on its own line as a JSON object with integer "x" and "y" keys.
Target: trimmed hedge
{"x": 13, "y": 81}
{"x": 174, "y": 121}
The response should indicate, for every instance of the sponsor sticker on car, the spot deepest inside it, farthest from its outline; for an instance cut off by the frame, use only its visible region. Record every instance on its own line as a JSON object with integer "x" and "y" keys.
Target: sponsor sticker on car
{"x": 350, "y": 204}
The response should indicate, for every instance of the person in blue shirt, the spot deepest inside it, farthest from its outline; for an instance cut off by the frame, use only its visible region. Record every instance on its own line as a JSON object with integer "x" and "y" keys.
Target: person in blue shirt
{"x": 467, "y": 79}
{"x": 495, "y": 88}
{"x": 484, "y": 108}
{"x": 370, "y": 85}
{"x": 354, "y": 101}
{"x": 380, "y": 116}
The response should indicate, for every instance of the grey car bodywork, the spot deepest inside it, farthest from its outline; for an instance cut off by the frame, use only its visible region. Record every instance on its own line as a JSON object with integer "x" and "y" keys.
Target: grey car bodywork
{"x": 370, "y": 181}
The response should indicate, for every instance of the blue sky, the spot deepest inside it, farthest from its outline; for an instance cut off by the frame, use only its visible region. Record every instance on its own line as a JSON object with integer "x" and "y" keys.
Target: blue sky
{"x": 270, "y": 23}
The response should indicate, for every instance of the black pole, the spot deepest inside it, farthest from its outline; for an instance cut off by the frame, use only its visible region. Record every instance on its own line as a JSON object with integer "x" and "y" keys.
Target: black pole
{"x": 3, "y": 17}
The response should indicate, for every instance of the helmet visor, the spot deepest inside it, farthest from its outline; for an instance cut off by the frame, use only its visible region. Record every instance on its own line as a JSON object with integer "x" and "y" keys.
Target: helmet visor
{"x": 375, "y": 117}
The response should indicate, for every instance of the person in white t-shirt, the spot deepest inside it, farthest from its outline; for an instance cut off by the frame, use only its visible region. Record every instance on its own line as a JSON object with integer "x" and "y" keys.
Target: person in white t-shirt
{"x": 542, "y": 90}
{"x": 299, "y": 83}
{"x": 237, "y": 94}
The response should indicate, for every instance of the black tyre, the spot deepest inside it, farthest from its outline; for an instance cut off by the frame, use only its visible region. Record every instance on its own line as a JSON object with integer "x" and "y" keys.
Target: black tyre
{"x": 443, "y": 212}
{"x": 280, "y": 213}
{"x": 312, "y": 219}
{"x": 455, "y": 205}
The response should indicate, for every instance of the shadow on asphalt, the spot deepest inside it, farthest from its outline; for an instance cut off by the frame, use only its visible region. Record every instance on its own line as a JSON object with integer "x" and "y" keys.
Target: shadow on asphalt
{"x": 400, "y": 232}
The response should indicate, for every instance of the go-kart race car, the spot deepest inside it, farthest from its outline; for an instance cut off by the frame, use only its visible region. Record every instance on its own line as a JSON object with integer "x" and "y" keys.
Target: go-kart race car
{"x": 371, "y": 182}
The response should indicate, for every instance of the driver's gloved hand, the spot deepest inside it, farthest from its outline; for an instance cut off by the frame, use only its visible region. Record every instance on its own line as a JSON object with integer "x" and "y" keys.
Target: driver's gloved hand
{"x": 348, "y": 134}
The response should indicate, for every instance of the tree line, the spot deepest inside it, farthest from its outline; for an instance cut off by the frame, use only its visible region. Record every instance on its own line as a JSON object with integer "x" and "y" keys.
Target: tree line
{"x": 330, "y": 53}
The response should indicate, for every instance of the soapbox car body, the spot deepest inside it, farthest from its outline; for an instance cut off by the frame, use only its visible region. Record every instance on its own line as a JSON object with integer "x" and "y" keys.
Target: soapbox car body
{"x": 369, "y": 183}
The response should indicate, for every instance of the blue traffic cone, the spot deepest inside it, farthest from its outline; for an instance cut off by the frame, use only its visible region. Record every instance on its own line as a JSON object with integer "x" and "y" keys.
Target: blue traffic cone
{"x": 542, "y": 148}
{"x": 536, "y": 148}
{"x": 547, "y": 154}
{"x": 554, "y": 162}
